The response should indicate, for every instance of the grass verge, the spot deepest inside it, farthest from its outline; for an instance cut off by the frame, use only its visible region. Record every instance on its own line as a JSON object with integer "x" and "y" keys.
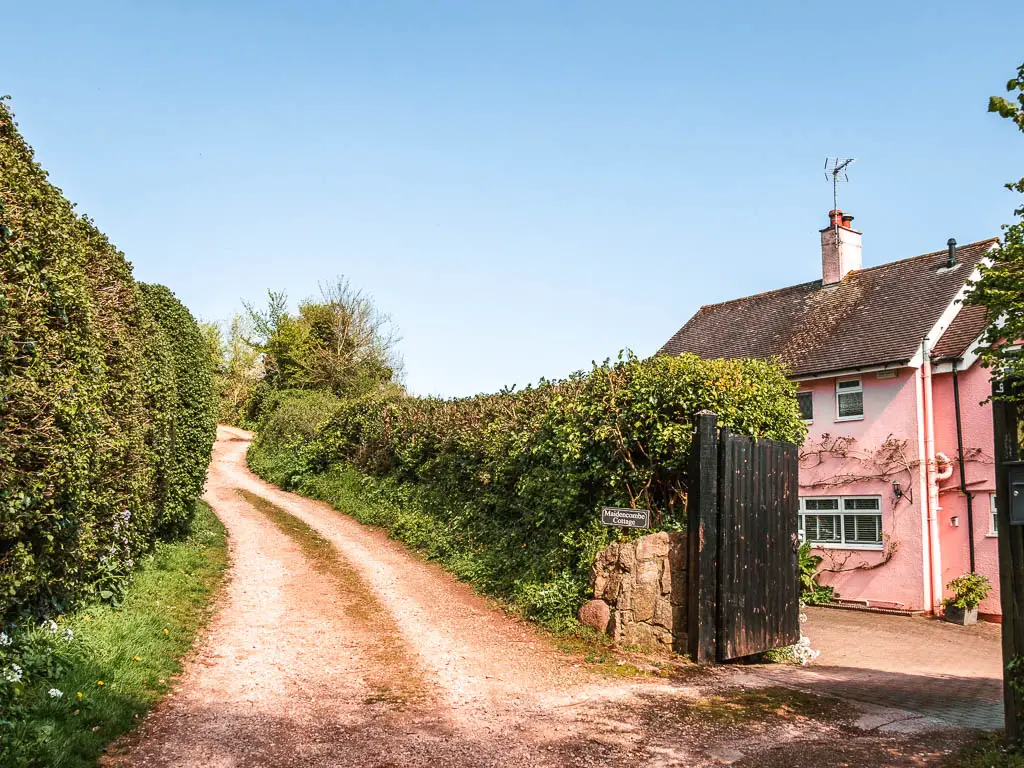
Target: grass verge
{"x": 111, "y": 664}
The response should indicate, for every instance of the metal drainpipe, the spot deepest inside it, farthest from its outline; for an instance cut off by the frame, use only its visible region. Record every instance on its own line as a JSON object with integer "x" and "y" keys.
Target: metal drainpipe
{"x": 922, "y": 465}
{"x": 963, "y": 474}
{"x": 935, "y": 558}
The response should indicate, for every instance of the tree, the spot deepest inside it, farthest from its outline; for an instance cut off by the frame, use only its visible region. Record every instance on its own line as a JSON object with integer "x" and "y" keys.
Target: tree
{"x": 237, "y": 368}
{"x": 351, "y": 346}
{"x": 339, "y": 342}
{"x": 1000, "y": 289}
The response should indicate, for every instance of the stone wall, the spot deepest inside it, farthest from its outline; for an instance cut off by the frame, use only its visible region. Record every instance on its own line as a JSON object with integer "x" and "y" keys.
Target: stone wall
{"x": 639, "y": 592}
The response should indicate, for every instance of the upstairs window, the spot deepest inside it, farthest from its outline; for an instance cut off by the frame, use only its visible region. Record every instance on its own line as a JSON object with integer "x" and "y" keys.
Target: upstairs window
{"x": 993, "y": 529}
{"x": 849, "y": 399}
{"x": 806, "y": 403}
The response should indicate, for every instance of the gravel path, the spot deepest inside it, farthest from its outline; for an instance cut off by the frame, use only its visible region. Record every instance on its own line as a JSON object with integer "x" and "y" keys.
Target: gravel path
{"x": 334, "y": 646}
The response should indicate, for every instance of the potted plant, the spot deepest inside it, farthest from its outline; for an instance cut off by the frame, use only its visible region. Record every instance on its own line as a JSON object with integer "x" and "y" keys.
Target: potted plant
{"x": 968, "y": 590}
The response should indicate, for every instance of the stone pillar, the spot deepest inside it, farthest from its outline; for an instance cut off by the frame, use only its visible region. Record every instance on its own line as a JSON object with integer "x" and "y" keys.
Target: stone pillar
{"x": 642, "y": 584}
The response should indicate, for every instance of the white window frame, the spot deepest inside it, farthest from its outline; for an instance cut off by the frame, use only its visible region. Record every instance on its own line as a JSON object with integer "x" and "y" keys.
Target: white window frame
{"x": 850, "y": 391}
{"x": 809, "y": 394}
{"x": 993, "y": 521}
{"x": 841, "y": 513}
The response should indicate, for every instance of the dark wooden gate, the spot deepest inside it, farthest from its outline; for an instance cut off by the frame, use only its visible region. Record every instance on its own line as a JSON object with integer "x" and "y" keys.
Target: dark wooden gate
{"x": 1008, "y": 417}
{"x": 744, "y": 592}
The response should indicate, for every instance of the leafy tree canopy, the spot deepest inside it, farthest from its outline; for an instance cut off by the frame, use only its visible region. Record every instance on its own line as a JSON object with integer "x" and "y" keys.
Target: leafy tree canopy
{"x": 1001, "y": 286}
{"x": 339, "y": 342}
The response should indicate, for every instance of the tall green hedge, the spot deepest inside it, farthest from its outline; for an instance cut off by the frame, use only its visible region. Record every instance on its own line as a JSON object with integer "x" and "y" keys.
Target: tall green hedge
{"x": 193, "y": 402}
{"x": 506, "y": 488}
{"x": 88, "y": 403}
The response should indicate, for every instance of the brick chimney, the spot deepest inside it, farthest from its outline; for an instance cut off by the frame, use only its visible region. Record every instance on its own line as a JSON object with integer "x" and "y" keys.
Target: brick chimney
{"x": 840, "y": 248}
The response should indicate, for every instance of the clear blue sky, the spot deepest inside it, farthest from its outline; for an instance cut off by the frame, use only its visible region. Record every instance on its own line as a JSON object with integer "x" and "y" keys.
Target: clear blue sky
{"x": 525, "y": 186}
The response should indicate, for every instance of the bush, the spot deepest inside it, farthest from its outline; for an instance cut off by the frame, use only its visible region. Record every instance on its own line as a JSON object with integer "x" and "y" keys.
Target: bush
{"x": 192, "y": 402}
{"x": 86, "y": 402}
{"x": 297, "y": 415}
{"x": 968, "y": 590}
{"x": 505, "y": 488}
{"x": 811, "y": 592}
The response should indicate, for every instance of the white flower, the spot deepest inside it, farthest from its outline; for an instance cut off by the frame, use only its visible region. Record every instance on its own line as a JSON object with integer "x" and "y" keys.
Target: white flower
{"x": 5, "y": 640}
{"x": 55, "y": 693}
{"x": 803, "y": 652}
{"x": 50, "y": 624}
{"x": 13, "y": 674}
{"x": 69, "y": 635}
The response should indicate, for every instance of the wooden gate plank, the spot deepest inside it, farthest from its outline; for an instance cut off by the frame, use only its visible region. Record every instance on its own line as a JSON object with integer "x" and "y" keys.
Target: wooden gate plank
{"x": 702, "y": 541}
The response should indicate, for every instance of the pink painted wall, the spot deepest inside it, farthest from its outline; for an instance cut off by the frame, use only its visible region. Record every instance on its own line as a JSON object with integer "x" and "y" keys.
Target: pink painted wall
{"x": 890, "y": 411}
{"x": 890, "y": 414}
{"x": 980, "y": 471}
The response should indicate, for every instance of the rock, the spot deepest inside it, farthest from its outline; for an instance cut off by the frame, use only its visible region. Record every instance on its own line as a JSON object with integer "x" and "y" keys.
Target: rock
{"x": 666, "y": 578}
{"x": 663, "y": 615}
{"x": 652, "y": 546}
{"x": 646, "y": 636}
{"x": 648, "y": 573}
{"x": 639, "y": 588}
{"x": 643, "y": 602}
{"x": 610, "y": 590}
{"x": 677, "y": 550}
{"x": 627, "y": 557}
{"x": 624, "y": 595}
{"x": 596, "y": 614}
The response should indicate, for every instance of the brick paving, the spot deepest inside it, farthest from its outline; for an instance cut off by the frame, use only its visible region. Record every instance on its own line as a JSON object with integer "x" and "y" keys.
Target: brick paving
{"x": 946, "y": 674}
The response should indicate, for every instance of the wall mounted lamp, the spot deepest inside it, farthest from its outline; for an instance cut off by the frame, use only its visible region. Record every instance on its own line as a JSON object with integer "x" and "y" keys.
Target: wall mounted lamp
{"x": 896, "y": 490}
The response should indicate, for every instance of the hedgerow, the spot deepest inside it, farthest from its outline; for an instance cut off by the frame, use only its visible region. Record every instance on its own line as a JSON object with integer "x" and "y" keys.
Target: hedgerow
{"x": 88, "y": 406}
{"x": 505, "y": 489}
{"x": 193, "y": 404}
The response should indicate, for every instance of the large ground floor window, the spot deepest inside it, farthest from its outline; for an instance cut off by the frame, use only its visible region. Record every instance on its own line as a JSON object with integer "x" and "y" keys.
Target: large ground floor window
{"x": 842, "y": 521}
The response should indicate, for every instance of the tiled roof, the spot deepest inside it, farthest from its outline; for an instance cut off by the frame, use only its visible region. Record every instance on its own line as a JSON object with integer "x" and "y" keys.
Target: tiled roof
{"x": 874, "y": 316}
{"x": 965, "y": 328}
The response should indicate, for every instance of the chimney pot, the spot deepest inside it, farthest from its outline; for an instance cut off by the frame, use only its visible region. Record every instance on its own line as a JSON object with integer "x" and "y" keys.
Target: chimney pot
{"x": 848, "y": 221}
{"x": 951, "y": 244}
{"x": 835, "y": 218}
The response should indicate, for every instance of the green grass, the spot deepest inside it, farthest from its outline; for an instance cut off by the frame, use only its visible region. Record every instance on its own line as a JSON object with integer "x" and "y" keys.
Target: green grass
{"x": 987, "y": 751}
{"x": 122, "y": 659}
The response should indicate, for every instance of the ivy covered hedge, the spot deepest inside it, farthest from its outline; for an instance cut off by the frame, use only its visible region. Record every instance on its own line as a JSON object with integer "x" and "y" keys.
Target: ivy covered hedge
{"x": 102, "y": 438}
{"x": 505, "y": 489}
{"x": 193, "y": 403}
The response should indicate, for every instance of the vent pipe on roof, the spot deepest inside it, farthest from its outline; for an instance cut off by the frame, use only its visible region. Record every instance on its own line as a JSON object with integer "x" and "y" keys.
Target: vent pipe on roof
{"x": 951, "y": 244}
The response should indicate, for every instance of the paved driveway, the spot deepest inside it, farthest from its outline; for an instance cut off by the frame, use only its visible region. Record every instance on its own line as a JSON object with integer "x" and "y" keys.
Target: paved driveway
{"x": 946, "y": 674}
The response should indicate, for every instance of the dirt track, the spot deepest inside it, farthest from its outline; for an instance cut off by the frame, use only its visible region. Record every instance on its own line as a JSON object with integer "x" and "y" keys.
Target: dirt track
{"x": 340, "y": 648}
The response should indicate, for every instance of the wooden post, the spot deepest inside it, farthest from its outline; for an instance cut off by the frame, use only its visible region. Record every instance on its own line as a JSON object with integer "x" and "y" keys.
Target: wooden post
{"x": 1006, "y": 416}
{"x": 702, "y": 541}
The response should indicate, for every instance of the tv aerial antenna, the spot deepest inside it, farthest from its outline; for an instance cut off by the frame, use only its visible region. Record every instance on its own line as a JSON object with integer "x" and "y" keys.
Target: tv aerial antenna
{"x": 836, "y": 168}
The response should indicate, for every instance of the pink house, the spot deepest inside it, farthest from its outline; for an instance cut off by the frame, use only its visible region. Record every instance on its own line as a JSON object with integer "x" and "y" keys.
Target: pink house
{"x": 896, "y": 473}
